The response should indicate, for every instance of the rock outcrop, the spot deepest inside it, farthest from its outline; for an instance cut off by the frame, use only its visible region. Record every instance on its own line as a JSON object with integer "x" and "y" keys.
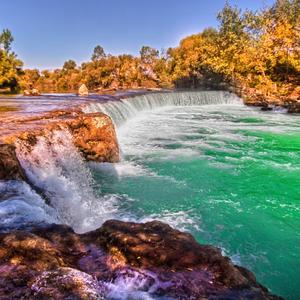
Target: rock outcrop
{"x": 83, "y": 90}
{"x": 10, "y": 167}
{"x": 93, "y": 134}
{"x": 252, "y": 97}
{"x": 294, "y": 107}
{"x": 53, "y": 262}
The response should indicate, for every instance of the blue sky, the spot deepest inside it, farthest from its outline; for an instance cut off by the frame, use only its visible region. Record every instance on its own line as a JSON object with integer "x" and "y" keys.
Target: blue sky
{"x": 48, "y": 32}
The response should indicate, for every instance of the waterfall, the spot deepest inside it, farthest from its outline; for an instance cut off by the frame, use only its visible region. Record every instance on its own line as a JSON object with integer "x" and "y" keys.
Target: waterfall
{"x": 124, "y": 109}
{"x": 55, "y": 166}
{"x": 64, "y": 187}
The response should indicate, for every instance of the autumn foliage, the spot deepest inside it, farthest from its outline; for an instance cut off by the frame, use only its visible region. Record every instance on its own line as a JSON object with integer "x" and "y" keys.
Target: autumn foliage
{"x": 255, "y": 53}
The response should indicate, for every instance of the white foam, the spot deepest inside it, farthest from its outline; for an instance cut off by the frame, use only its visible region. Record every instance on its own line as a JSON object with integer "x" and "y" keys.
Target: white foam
{"x": 181, "y": 220}
{"x": 136, "y": 284}
{"x": 151, "y": 128}
{"x": 121, "y": 169}
{"x": 20, "y": 205}
{"x": 133, "y": 286}
{"x": 55, "y": 166}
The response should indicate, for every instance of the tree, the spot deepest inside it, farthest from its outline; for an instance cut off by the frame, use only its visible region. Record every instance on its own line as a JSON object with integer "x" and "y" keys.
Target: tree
{"x": 6, "y": 39}
{"x": 10, "y": 69}
{"x": 98, "y": 53}
{"x": 29, "y": 78}
{"x": 69, "y": 65}
{"x": 148, "y": 54}
{"x": 10, "y": 66}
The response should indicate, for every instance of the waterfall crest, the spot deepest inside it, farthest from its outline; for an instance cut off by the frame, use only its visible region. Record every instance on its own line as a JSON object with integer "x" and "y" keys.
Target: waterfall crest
{"x": 121, "y": 111}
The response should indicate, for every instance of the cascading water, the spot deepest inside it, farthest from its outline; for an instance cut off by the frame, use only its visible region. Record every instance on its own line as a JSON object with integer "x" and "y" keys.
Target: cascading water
{"x": 121, "y": 111}
{"x": 21, "y": 206}
{"x": 55, "y": 167}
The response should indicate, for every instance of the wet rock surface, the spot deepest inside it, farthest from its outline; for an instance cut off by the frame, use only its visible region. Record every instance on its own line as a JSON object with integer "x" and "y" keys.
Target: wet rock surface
{"x": 119, "y": 259}
{"x": 10, "y": 167}
{"x": 252, "y": 97}
{"x": 93, "y": 134}
{"x": 294, "y": 107}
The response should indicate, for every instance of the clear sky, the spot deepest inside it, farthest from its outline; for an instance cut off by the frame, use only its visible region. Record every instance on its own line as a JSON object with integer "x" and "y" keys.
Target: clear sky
{"x": 48, "y": 32}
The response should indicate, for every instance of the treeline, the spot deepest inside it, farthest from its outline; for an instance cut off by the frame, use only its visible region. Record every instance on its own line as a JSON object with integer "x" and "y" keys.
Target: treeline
{"x": 256, "y": 53}
{"x": 104, "y": 71}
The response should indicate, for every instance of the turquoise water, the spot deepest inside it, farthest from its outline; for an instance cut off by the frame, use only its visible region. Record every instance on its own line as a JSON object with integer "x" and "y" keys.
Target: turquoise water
{"x": 226, "y": 173}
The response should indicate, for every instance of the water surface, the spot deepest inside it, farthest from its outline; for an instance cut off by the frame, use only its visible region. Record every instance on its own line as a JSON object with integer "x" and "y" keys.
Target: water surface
{"x": 226, "y": 173}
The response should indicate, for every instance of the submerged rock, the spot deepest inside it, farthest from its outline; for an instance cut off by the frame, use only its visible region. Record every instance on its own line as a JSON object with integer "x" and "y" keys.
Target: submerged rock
{"x": 83, "y": 90}
{"x": 118, "y": 259}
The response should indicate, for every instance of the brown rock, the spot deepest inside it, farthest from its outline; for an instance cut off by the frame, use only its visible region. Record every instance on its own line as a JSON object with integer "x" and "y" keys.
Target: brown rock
{"x": 24, "y": 248}
{"x": 156, "y": 244}
{"x": 53, "y": 262}
{"x": 10, "y": 167}
{"x": 66, "y": 283}
{"x": 294, "y": 107}
{"x": 93, "y": 134}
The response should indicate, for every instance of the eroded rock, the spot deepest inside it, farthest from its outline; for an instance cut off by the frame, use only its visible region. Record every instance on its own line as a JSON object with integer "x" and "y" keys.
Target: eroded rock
{"x": 93, "y": 134}
{"x": 10, "y": 167}
{"x": 120, "y": 258}
{"x": 66, "y": 283}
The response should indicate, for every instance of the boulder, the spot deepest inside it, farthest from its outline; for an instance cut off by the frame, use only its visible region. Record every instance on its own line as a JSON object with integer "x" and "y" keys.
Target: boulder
{"x": 83, "y": 90}
{"x": 32, "y": 92}
{"x": 52, "y": 261}
{"x": 26, "y": 93}
{"x": 294, "y": 107}
{"x": 93, "y": 134}
{"x": 35, "y": 92}
{"x": 10, "y": 168}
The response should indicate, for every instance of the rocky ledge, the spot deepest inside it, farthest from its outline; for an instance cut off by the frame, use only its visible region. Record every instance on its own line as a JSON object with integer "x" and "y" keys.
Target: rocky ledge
{"x": 53, "y": 262}
{"x": 252, "y": 97}
{"x": 93, "y": 134}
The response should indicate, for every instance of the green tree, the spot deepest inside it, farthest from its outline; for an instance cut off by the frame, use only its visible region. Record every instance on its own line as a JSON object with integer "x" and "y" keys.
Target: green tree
{"x": 6, "y": 40}
{"x": 98, "y": 53}
{"x": 10, "y": 65}
{"x": 69, "y": 65}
